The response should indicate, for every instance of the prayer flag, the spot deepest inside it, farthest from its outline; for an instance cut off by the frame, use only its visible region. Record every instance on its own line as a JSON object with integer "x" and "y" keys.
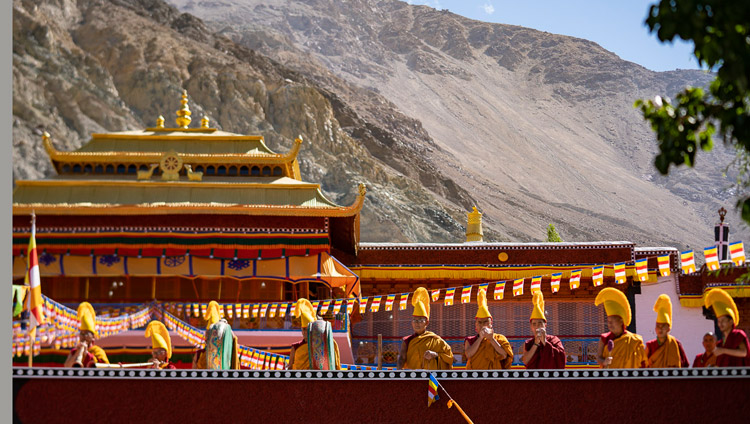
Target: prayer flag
{"x": 362, "y": 306}
{"x": 375, "y": 305}
{"x": 499, "y": 290}
{"x": 196, "y": 309}
{"x": 350, "y": 305}
{"x": 466, "y": 294}
{"x": 688, "y": 262}
{"x": 389, "y": 302}
{"x": 449, "y": 296}
{"x": 245, "y": 310}
{"x": 337, "y": 306}
{"x": 555, "y": 282}
{"x": 203, "y": 309}
{"x": 256, "y": 307}
{"x": 324, "y": 307}
{"x": 536, "y": 284}
{"x": 272, "y": 310}
{"x": 737, "y": 253}
{"x": 518, "y": 287}
{"x": 34, "y": 282}
{"x": 712, "y": 257}
{"x": 230, "y": 311}
{"x": 282, "y": 309}
{"x": 485, "y": 286}
{"x": 597, "y": 275}
{"x": 403, "y": 302}
{"x": 435, "y": 295}
{"x": 315, "y": 306}
{"x": 620, "y": 276}
{"x": 238, "y": 310}
{"x": 664, "y": 265}
{"x": 641, "y": 268}
{"x": 432, "y": 390}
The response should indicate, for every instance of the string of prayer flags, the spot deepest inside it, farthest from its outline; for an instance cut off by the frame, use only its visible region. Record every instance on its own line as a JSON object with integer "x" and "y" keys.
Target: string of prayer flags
{"x": 536, "y": 284}
{"x": 435, "y": 295}
{"x": 324, "y": 307}
{"x": 664, "y": 265}
{"x": 389, "y": 302}
{"x": 620, "y": 276}
{"x": 272, "y": 310}
{"x": 688, "y": 262}
{"x": 597, "y": 275}
{"x": 375, "y": 306}
{"x": 350, "y": 305}
{"x": 518, "y": 287}
{"x": 737, "y": 253}
{"x": 499, "y": 290}
{"x": 337, "y": 306}
{"x": 712, "y": 257}
{"x": 449, "y": 296}
{"x": 403, "y": 303}
{"x": 466, "y": 294}
{"x": 363, "y": 306}
{"x": 641, "y": 268}
{"x": 555, "y": 282}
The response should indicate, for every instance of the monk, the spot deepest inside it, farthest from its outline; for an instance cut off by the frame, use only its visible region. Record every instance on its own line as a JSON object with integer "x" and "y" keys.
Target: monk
{"x": 732, "y": 350}
{"x": 707, "y": 358}
{"x": 665, "y": 351}
{"x": 161, "y": 344}
{"x": 299, "y": 355}
{"x": 542, "y": 351}
{"x": 213, "y": 317}
{"x": 423, "y": 349}
{"x": 486, "y": 350}
{"x": 618, "y": 348}
{"x": 86, "y": 354}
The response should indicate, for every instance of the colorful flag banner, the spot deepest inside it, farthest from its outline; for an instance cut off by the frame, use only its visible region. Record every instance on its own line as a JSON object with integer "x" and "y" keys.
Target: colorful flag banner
{"x": 375, "y": 305}
{"x": 282, "y": 309}
{"x": 230, "y": 311}
{"x": 337, "y": 306}
{"x": 597, "y": 275}
{"x": 315, "y": 306}
{"x": 196, "y": 310}
{"x": 256, "y": 307}
{"x": 403, "y": 302}
{"x": 432, "y": 390}
{"x": 485, "y": 286}
{"x": 620, "y": 276}
{"x": 712, "y": 257}
{"x": 664, "y": 265}
{"x": 554, "y": 283}
{"x": 499, "y": 290}
{"x": 466, "y": 294}
{"x": 641, "y": 268}
{"x": 350, "y": 305}
{"x": 518, "y": 287}
{"x": 449, "y": 296}
{"x": 363, "y": 306}
{"x": 688, "y": 262}
{"x": 263, "y": 309}
{"x": 389, "y": 302}
{"x": 575, "y": 279}
{"x": 536, "y": 284}
{"x": 34, "y": 282}
{"x": 245, "y": 310}
{"x": 204, "y": 306}
{"x": 737, "y": 252}
{"x": 238, "y": 310}
{"x": 272, "y": 310}
{"x": 435, "y": 295}
{"x": 324, "y": 307}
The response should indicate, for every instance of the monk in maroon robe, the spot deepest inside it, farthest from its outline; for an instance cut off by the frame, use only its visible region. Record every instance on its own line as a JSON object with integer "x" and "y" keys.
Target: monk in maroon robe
{"x": 707, "y": 358}
{"x": 732, "y": 350}
{"x": 542, "y": 351}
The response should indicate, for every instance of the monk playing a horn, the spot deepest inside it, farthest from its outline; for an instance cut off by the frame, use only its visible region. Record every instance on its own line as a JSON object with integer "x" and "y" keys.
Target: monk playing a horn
{"x": 486, "y": 350}
{"x": 86, "y": 354}
{"x": 542, "y": 351}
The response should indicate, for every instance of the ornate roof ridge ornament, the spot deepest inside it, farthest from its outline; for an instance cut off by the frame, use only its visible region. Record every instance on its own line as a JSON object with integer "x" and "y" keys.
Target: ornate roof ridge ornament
{"x": 474, "y": 226}
{"x": 183, "y": 115}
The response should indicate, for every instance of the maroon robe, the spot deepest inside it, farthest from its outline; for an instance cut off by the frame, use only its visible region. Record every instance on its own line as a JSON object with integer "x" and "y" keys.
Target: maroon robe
{"x": 734, "y": 340}
{"x": 653, "y": 345}
{"x": 703, "y": 360}
{"x": 551, "y": 355}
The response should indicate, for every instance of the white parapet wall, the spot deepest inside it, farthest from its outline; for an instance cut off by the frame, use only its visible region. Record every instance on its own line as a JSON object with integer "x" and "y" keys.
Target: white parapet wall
{"x": 688, "y": 324}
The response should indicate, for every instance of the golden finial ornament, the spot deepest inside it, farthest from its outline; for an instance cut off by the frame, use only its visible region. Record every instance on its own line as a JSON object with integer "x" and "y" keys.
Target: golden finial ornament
{"x": 474, "y": 226}
{"x": 160, "y": 122}
{"x": 45, "y": 136}
{"x": 183, "y": 115}
{"x": 204, "y": 121}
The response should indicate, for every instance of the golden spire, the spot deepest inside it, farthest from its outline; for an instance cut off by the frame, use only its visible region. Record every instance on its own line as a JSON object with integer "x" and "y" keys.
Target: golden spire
{"x": 204, "y": 121}
{"x": 474, "y": 226}
{"x": 160, "y": 122}
{"x": 183, "y": 115}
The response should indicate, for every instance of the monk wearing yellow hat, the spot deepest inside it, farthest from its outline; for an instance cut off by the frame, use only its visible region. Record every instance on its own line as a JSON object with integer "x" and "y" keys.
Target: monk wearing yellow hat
{"x": 733, "y": 350}
{"x": 424, "y": 349}
{"x": 161, "y": 344}
{"x": 86, "y": 354}
{"x": 200, "y": 359}
{"x": 665, "y": 351}
{"x": 619, "y": 348}
{"x": 486, "y": 350}
{"x": 317, "y": 350}
{"x": 542, "y": 351}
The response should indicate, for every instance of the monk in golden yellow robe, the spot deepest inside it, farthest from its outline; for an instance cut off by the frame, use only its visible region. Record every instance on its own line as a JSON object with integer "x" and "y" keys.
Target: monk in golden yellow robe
{"x": 486, "y": 350}
{"x": 299, "y": 355}
{"x": 618, "y": 348}
{"x": 424, "y": 349}
{"x": 212, "y": 316}
{"x": 665, "y": 351}
{"x": 86, "y": 354}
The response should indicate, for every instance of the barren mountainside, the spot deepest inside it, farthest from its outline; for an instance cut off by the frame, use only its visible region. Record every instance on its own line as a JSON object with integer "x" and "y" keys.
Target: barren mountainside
{"x": 435, "y": 112}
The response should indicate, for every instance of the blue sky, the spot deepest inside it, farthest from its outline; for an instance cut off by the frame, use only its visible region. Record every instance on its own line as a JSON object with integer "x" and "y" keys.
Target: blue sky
{"x": 616, "y": 25}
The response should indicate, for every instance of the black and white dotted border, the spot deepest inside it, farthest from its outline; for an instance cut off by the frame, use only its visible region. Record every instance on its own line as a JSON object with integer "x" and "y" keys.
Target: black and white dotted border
{"x": 580, "y": 374}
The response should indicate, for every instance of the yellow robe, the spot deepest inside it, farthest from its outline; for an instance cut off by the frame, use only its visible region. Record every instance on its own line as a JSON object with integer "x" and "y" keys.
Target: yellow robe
{"x": 428, "y": 340}
{"x": 302, "y": 357}
{"x": 667, "y": 355}
{"x": 99, "y": 354}
{"x": 486, "y": 358}
{"x": 629, "y": 351}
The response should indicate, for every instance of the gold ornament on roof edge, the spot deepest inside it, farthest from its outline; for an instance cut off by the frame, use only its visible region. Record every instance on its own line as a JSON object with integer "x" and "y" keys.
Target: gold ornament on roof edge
{"x": 160, "y": 122}
{"x": 183, "y": 115}
{"x": 204, "y": 121}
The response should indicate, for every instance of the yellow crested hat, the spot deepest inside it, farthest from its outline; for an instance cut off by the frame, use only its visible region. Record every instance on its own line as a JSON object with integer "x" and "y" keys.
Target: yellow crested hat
{"x": 304, "y": 310}
{"x": 615, "y": 303}
{"x": 87, "y": 317}
{"x": 483, "y": 311}
{"x": 212, "y": 315}
{"x": 421, "y": 302}
{"x": 159, "y": 337}
{"x": 723, "y": 304}
{"x": 537, "y": 311}
{"x": 663, "y": 309}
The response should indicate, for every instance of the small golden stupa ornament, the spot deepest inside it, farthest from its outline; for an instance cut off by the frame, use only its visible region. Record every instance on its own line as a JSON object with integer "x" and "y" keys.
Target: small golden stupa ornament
{"x": 474, "y": 226}
{"x": 183, "y": 115}
{"x": 160, "y": 122}
{"x": 204, "y": 121}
